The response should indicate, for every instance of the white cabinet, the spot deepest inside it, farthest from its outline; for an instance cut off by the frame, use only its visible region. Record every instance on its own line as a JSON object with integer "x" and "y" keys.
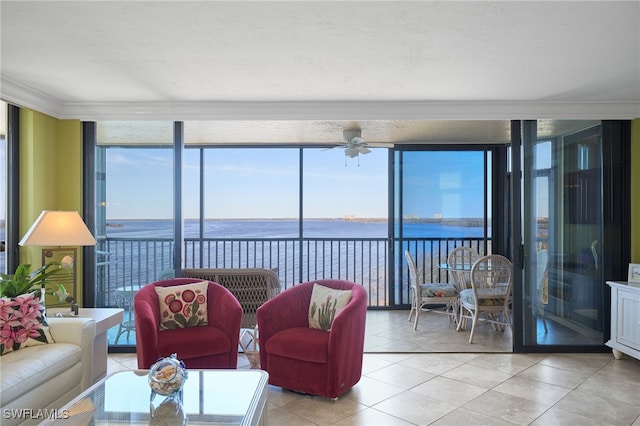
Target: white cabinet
{"x": 625, "y": 319}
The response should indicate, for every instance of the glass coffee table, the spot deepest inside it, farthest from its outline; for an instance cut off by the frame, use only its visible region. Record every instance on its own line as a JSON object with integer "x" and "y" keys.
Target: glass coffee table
{"x": 224, "y": 397}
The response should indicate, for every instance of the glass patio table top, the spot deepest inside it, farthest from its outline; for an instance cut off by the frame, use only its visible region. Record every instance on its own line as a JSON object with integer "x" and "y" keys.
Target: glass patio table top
{"x": 461, "y": 274}
{"x": 465, "y": 267}
{"x": 229, "y": 397}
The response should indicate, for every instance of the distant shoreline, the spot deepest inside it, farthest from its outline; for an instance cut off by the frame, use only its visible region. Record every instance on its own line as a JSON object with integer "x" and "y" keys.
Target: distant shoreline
{"x": 471, "y": 222}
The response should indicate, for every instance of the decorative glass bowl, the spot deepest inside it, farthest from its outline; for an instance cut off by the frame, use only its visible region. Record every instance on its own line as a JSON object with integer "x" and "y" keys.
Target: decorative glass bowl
{"x": 167, "y": 375}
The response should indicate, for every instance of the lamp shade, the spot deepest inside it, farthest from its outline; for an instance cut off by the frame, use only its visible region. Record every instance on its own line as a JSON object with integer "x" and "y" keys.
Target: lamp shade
{"x": 58, "y": 228}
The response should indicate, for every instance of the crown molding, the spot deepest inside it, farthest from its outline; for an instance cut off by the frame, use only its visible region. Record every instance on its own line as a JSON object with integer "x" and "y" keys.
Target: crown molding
{"x": 350, "y": 110}
{"x": 23, "y": 96}
{"x": 18, "y": 94}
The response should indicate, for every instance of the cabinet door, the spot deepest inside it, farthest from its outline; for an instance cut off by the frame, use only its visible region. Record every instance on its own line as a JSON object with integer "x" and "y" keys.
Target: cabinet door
{"x": 628, "y": 332}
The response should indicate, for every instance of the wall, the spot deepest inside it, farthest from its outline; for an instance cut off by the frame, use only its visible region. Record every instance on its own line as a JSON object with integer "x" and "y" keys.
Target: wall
{"x": 50, "y": 175}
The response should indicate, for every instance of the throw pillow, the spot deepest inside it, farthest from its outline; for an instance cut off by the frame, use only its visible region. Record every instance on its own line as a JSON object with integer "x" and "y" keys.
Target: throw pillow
{"x": 183, "y": 306}
{"x": 22, "y": 323}
{"x": 325, "y": 304}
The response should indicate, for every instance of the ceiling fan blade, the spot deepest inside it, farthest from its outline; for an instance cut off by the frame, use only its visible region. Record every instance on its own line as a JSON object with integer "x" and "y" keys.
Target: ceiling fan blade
{"x": 363, "y": 150}
{"x": 357, "y": 141}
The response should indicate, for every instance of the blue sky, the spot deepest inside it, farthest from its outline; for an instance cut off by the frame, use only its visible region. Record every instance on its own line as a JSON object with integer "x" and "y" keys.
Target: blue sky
{"x": 263, "y": 183}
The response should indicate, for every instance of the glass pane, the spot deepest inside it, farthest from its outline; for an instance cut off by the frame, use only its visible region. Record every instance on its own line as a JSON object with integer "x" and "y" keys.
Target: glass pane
{"x": 134, "y": 221}
{"x": 250, "y": 208}
{"x": 245, "y": 184}
{"x": 563, "y": 205}
{"x": 443, "y": 207}
{"x": 345, "y": 218}
{"x": 345, "y": 196}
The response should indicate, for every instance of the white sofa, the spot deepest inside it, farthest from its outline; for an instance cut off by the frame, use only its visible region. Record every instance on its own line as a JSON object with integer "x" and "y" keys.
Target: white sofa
{"x": 47, "y": 376}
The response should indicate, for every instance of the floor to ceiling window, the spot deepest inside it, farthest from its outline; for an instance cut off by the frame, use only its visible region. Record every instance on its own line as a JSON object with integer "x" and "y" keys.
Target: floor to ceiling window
{"x": 134, "y": 213}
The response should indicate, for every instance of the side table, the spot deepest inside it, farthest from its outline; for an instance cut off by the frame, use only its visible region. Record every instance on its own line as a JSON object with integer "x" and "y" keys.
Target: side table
{"x": 105, "y": 318}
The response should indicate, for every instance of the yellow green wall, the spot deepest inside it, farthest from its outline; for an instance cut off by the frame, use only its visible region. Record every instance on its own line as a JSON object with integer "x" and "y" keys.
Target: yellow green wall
{"x": 50, "y": 175}
{"x": 635, "y": 191}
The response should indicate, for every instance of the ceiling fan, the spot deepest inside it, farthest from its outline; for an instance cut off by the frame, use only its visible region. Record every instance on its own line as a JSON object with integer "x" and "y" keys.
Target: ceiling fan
{"x": 354, "y": 144}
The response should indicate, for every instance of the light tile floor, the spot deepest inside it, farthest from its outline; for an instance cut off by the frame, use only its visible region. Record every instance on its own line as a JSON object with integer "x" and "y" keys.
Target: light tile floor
{"x": 470, "y": 388}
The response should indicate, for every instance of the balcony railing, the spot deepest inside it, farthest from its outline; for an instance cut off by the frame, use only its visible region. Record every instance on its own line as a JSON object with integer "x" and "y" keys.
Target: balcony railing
{"x": 125, "y": 264}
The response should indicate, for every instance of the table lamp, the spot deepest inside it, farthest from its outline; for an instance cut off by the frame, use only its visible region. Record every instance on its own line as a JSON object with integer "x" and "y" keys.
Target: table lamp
{"x": 61, "y": 229}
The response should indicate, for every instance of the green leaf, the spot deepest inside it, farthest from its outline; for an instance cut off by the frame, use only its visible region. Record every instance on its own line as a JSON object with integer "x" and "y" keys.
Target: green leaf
{"x": 180, "y": 319}
{"x": 194, "y": 307}
{"x": 193, "y": 321}
{"x": 171, "y": 325}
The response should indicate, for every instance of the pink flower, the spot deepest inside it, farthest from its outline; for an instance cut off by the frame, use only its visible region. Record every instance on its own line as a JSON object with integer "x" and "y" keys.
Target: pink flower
{"x": 21, "y": 335}
{"x": 6, "y": 336}
{"x": 32, "y": 329}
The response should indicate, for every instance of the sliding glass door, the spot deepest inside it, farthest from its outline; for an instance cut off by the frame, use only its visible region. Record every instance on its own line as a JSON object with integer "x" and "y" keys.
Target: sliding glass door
{"x": 562, "y": 298}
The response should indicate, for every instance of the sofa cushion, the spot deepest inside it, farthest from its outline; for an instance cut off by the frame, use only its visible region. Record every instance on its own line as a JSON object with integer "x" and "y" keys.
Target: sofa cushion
{"x": 22, "y": 323}
{"x": 311, "y": 344}
{"x": 325, "y": 304}
{"x": 183, "y": 306}
{"x": 29, "y": 367}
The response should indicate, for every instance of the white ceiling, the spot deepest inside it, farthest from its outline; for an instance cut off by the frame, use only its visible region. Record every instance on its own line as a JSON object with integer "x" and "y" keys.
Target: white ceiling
{"x": 332, "y": 63}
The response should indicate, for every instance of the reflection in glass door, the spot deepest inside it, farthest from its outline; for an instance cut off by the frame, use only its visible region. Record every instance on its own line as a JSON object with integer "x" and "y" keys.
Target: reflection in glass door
{"x": 562, "y": 218}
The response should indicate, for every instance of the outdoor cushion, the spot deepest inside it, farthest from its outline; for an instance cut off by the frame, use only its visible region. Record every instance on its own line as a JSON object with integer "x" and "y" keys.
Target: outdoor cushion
{"x": 468, "y": 296}
{"x": 437, "y": 290}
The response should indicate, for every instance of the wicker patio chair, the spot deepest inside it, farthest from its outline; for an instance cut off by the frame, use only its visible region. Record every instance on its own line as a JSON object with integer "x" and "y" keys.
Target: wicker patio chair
{"x": 489, "y": 296}
{"x": 251, "y": 286}
{"x": 460, "y": 261}
{"x": 442, "y": 295}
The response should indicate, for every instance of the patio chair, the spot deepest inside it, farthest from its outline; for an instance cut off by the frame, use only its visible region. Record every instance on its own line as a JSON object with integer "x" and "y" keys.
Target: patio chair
{"x": 459, "y": 262}
{"x": 442, "y": 295}
{"x": 489, "y": 296}
{"x": 251, "y": 286}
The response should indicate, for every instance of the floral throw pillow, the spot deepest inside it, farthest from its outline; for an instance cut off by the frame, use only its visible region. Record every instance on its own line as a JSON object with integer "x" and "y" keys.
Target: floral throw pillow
{"x": 183, "y": 306}
{"x": 325, "y": 304}
{"x": 22, "y": 323}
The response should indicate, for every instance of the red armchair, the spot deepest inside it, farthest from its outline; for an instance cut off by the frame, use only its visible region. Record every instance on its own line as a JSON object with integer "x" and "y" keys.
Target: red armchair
{"x": 309, "y": 360}
{"x": 212, "y": 346}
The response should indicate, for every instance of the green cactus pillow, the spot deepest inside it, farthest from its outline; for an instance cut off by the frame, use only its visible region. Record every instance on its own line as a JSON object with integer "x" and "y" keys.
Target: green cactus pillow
{"x": 325, "y": 304}
{"x": 183, "y": 306}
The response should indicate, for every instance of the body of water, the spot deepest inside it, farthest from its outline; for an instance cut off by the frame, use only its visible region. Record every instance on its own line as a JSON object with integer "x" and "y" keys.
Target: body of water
{"x": 286, "y": 228}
